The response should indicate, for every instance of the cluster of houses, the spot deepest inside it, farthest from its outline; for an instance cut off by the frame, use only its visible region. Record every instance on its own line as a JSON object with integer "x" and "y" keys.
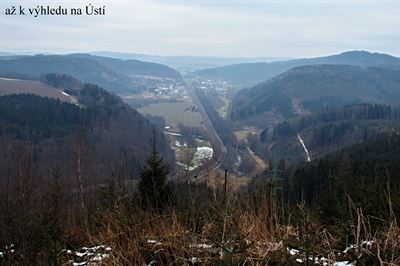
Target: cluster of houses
{"x": 173, "y": 90}
{"x": 221, "y": 88}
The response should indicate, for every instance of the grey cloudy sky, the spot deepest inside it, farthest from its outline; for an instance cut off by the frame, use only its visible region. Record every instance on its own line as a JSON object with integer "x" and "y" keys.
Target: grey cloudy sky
{"x": 284, "y": 28}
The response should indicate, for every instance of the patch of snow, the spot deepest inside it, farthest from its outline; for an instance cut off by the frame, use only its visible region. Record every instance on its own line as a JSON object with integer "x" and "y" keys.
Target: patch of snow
{"x": 178, "y": 144}
{"x": 100, "y": 257}
{"x": 304, "y": 147}
{"x": 79, "y": 263}
{"x": 172, "y": 133}
{"x": 364, "y": 243}
{"x": 152, "y": 241}
{"x": 195, "y": 260}
{"x": 8, "y": 249}
{"x": 318, "y": 260}
{"x": 83, "y": 254}
{"x": 202, "y": 153}
{"x": 343, "y": 263}
{"x": 95, "y": 248}
{"x": 89, "y": 255}
{"x": 66, "y": 94}
{"x": 367, "y": 243}
{"x": 293, "y": 251}
{"x": 205, "y": 246}
{"x": 349, "y": 248}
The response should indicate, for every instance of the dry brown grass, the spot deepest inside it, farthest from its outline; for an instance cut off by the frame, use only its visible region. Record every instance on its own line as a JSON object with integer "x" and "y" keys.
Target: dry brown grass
{"x": 237, "y": 235}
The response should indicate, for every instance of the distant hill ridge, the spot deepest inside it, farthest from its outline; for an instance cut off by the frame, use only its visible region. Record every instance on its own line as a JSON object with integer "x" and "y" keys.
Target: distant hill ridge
{"x": 249, "y": 74}
{"x": 114, "y": 74}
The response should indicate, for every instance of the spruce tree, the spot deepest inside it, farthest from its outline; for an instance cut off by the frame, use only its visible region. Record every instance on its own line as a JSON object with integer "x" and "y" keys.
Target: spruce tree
{"x": 154, "y": 190}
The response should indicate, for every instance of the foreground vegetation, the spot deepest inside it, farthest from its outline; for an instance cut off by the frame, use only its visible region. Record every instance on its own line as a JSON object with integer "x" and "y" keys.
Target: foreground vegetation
{"x": 49, "y": 221}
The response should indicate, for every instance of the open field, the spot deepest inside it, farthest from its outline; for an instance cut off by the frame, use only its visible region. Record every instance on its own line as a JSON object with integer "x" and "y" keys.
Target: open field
{"x": 219, "y": 103}
{"x": 17, "y": 86}
{"x": 260, "y": 164}
{"x": 175, "y": 114}
{"x": 223, "y": 110}
{"x": 241, "y": 135}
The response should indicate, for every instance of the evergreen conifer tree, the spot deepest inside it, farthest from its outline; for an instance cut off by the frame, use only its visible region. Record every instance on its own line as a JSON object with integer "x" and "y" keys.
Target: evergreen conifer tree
{"x": 154, "y": 190}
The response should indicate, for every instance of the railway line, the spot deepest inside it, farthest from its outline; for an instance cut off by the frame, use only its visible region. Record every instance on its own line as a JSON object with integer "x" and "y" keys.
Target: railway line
{"x": 218, "y": 146}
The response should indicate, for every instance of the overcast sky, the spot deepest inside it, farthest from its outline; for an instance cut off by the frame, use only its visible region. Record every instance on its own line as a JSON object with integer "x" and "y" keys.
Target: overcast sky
{"x": 276, "y": 28}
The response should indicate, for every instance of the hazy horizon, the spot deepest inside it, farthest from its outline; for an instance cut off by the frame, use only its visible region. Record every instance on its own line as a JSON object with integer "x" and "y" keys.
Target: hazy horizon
{"x": 60, "y": 52}
{"x": 284, "y": 29}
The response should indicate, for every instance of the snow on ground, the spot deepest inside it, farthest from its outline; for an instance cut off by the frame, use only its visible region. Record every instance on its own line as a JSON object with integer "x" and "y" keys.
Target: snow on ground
{"x": 324, "y": 261}
{"x": 97, "y": 254}
{"x": 195, "y": 260}
{"x": 64, "y": 93}
{"x": 172, "y": 133}
{"x": 89, "y": 255}
{"x": 152, "y": 241}
{"x": 8, "y": 249}
{"x": 364, "y": 244}
{"x": 304, "y": 147}
{"x": 201, "y": 155}
{"x": 203, "y": 246}
{"x": 179, "y": 144}
{"x": 343, "y": 263}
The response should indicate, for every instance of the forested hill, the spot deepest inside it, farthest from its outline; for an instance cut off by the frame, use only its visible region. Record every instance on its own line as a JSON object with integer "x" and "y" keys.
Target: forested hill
{"x": 115, "y": 139}
{"x": 308, "y": 89}
{"x": 116, "y": 75}
{"x": 327, "y": 131}
{"x": 368, "y": 174}
{"x": 249, "y": 74}
{"x": 134, "y": 68}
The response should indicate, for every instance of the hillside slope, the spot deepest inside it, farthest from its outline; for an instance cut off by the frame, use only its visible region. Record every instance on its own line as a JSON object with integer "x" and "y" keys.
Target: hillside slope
{"x": 17, "y": 86}
{"x": 327, "y": 131}
{"x": 114, "y": 138}
{"x": 364, "y": 175}
{"x": 306, "y": 89}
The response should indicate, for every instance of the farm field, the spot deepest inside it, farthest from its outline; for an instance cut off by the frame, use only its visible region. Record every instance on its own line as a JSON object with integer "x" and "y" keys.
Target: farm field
{"x": 175, "y": 113}
{"x": 219, "y": 103}
{"x": 18, "y": 86}
{"x": 223, "y": 110}
{"x": 241, "y": 135}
